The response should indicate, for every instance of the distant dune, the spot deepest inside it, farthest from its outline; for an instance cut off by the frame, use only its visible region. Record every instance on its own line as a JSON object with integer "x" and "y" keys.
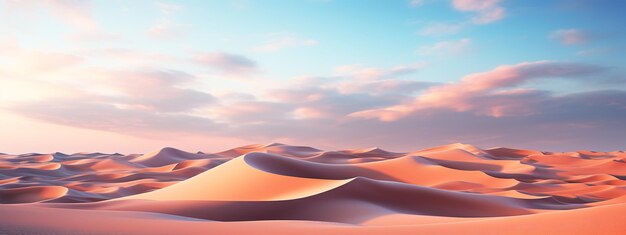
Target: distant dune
{"x": 282, "y": 189}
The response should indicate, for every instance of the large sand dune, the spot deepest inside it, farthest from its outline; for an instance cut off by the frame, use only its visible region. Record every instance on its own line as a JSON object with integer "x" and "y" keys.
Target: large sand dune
{"x": 276, "y": 188}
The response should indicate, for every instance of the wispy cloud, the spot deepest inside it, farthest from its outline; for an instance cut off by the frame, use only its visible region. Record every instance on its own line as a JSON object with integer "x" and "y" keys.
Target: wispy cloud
{"x": 230, "y": 64}
{"x": 96, "y": 115}
{"x": 159, "y": 88}
{"x": 441, "y": 28}
{"x": 77, "y": 13}
{"x": 571, "y": 36}
{"x": 442, "y": 48}
{"x": 169, "y": 8}
{"x": 487, "y": 11}
{"x": 277, "y": 42}
{"x": 166, "y": 27}
{"x": 416, "y": 3}
{"x": 33, "y": 63}
{"x": 314, "y": 84}
{"x": 372, "y": 73}
{"x": 487, "y": 86}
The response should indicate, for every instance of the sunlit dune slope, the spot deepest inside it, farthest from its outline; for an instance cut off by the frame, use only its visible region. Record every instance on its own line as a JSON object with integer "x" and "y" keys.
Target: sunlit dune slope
{"x": 451, "y": 189}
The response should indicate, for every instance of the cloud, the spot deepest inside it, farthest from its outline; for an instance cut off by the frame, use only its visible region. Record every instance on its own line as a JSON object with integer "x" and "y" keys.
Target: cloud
{"x": 352, "y": 88}
{"x": 558, "y": 123}
{"x": 95, "y": 36}
{"x": 310, "y": 113}
{"x": 359, "y": 79}
{"x": 168, "y": 8}
{"x": 165, "y": 29}
{"x": 442, "y": 48}
{"x": 24, "y": 62}
{"x": 486, "y": 17}
{"x": 249, "y": 112}
{"x": 128, "y": 57}
{"x": 594, "y": 51}
{"x": 440, "y": 28}
{"x": 487, "y": 11}
{"x": 488, "y": 109}
{"x": 463, "y": 95}
{"x": 134, "y": 102}
{"x": 386, "y": 86}
{"x": 71, "y": 74}
{"x": 327, "y": 103}
{"x": 372, "y": 73}
{"x": 474, "y": 5}
{"x": 155, "y": 90}
{"x": 586, "y": 120}
{"x": 92, "y": 114}
{"x": 75, "y": 13}
{"x": 42, "y": 62}
{"x": 416, "y": 3}
{"x": 571, "y": 36}
{"x": 277, "y": 42}
{"x": 227, "y": 63}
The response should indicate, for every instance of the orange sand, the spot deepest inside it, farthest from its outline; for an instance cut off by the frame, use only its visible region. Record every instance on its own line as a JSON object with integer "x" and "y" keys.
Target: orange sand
{"x": 281, "y": 189}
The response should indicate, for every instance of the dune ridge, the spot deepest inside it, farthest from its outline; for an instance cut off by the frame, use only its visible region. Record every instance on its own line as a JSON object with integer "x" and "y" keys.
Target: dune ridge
{"x": 297, "y": 188}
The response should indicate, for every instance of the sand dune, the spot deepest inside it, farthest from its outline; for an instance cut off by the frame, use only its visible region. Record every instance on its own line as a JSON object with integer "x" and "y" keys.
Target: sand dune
{"x": 31, "y": 194}
{"x": 244, "y": 183}
{"x": 276, "y": 188}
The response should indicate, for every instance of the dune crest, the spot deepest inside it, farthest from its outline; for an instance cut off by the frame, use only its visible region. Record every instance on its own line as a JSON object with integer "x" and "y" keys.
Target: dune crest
{"x": 236, "y": 180}
{"x": 297, "y": 189}
{"x": 31, "y": 194}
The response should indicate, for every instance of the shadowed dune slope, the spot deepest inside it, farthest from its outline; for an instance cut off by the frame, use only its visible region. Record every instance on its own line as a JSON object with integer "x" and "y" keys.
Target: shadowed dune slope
{"x": 448, "y": 189}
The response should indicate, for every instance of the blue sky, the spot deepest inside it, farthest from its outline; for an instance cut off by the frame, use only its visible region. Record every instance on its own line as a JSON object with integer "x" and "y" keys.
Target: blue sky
{"x": 313, "y": 72}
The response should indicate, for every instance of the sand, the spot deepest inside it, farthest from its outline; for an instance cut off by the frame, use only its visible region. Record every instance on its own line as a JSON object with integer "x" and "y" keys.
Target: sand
{"x": 282, "y": 189}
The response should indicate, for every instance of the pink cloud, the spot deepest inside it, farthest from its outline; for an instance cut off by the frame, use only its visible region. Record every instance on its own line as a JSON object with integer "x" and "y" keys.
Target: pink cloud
{"x": 160, "y": 90}
{"x": 250, "y": 112}
{"x": 378, "y": 87}
{"x": 31, "y": 62}
{"x": 166, "y": 29}
{"x": 486, "y": 108}
{"x": 416, "y": 3}
{"x": 76, "y": 13}
{"x": 128, "y": 56}
{"x": 227, "y": 63}
{"x": 168, "y": 8}
{"x": 486, "y": 17}
{"x": 352, "y": 88}
{"x": 487, "y": 11}
{"x": 279, "y": 42}
{"x": 571, "y": 36}
{"x": 95, "y": 36}
{"x": 50, "y": 61}
{"x": 442, "y": 48}
{"x": 461, "y": 96}
{"x": 440, "y": 28}
{"x": 311, "y": 113}
{"x": 474, "y": 5}
{"x": 372, "y": 73}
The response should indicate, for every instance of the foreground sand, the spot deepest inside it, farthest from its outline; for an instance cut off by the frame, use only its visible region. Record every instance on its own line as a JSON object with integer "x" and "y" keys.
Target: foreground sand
{"x": 275, "y": 188}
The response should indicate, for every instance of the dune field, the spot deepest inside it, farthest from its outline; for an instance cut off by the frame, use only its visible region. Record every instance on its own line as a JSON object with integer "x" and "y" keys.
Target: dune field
{"x": 283, "y": 189}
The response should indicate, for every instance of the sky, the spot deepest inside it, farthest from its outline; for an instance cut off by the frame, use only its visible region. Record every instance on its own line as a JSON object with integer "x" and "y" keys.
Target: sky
{"x": 136, "y": 76}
